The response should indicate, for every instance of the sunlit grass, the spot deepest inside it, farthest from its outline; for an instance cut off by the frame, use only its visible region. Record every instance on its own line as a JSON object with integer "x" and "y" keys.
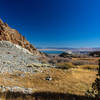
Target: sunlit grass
{"x": 75, "y": 81}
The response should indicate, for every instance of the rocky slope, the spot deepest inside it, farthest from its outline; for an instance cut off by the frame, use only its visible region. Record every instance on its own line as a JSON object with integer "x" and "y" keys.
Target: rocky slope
{"x": 16, "y": 53}
{"x": 14, "y": 58}
{"x": 12, "y": 35}
{"x": 17, "y": 57}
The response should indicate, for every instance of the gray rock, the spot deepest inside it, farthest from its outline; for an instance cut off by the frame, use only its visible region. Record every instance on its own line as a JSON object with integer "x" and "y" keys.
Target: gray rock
{"x": 16, "y": 89}
{"x": 15, "y": 58}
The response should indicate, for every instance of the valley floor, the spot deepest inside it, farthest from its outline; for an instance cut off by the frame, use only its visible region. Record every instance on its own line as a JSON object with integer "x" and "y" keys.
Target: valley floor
{"x": 73, "y": 81}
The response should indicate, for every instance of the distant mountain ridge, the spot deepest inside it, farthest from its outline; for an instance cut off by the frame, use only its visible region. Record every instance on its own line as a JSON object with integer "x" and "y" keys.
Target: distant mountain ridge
{"x": 72, "y": 49}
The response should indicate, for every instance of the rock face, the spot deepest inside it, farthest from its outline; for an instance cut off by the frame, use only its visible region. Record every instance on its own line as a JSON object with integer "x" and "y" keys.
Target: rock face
{"x": 12, "y": 35}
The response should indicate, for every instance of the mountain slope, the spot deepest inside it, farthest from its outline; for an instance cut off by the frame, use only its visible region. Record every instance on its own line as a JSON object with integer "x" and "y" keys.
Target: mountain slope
{"x": 14, "y": 58}
{"x": 12, "y": 35}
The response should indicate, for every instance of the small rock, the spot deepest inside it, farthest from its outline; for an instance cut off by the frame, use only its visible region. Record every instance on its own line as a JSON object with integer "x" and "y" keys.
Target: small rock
{"x": 48, "y": 78}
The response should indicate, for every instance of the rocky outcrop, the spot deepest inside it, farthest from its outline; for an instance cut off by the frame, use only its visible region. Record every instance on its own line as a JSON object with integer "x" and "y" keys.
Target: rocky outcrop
{"x": 16, "y": 89}
{"x": 14, "y": 58}
{"x": 12, "y": 35}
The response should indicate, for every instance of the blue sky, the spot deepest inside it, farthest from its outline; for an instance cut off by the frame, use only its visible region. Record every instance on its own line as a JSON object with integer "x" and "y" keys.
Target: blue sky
{"x": 55, "y": 23}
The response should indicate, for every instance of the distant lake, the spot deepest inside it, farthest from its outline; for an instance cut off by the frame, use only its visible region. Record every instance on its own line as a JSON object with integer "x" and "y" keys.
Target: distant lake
{"x": 52, "y": 52}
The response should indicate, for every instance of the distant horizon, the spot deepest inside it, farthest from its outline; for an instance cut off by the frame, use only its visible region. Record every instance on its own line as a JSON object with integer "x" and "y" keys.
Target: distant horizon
{"x": 65, "y": 47}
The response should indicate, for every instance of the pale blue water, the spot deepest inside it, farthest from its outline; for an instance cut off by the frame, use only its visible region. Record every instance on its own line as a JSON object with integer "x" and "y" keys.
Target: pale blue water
{"x": 53, "y": 52}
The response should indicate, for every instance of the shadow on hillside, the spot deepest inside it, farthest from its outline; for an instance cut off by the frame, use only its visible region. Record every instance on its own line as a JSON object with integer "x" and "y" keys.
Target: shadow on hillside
{"x": 41, "y": 96}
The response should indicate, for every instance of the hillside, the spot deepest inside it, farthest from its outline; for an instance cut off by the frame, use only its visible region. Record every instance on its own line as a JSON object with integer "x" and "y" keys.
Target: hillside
{"x": 36, "y": 87}
{"x": 15, "y": 58}
{"x": 12, "y": 35}
{"x": 24, "y": 71}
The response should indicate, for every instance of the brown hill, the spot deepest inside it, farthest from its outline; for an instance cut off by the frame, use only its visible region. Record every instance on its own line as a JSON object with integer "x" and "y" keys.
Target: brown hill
{"x": 12, "y": 35}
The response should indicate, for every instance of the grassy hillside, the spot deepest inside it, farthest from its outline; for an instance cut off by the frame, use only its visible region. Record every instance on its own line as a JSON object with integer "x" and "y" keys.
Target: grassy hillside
{"x": 74, "y": 81}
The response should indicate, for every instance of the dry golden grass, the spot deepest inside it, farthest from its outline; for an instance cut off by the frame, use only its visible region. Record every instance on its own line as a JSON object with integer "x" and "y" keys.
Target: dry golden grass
{"x": 74, "y": 81}
{"x": 91, "y": 67}
{"x": 89, "y": 59}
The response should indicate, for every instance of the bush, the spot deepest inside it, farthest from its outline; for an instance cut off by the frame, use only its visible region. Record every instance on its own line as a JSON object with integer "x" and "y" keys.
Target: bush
{"x": 95, "y": 89}
{"x": 65, "y": 65}
{"x": 65, "y": 55}
{"x": 95, "y": 54}
{"x": 80, "y": 62}
{"x": 94, "y": 67}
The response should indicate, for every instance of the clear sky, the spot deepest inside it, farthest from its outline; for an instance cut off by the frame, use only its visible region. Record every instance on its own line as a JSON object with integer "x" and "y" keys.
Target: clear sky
{"x": 55, "y": 23}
